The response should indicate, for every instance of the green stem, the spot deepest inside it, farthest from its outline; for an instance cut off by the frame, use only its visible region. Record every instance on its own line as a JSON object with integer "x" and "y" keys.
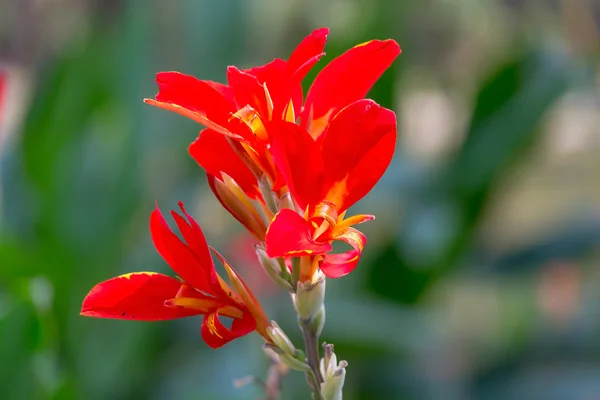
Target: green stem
{"x": 311, "y": 347}
{"x": 295, "y": 272}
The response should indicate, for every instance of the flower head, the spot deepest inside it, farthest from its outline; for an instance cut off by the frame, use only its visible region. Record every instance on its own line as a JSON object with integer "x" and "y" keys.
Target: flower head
{"x": 326, "y": 176}
{"x": 316, "y": 157}
{"x": 150, "y": 296}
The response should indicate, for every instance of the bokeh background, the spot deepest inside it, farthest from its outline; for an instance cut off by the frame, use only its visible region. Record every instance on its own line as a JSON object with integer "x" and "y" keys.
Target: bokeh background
{"x": 481, "y": 279}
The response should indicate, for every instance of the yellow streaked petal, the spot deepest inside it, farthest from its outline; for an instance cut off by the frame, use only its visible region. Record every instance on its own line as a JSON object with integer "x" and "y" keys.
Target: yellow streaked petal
{"x": 248, "y": 298}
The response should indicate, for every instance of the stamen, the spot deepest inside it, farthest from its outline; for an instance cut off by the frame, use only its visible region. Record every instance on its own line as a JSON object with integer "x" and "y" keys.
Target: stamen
{"x": 269, "y": 101}
{"x": 288, "y": 113}
{"x": 251, "y": 118}
{"x": 321, "y": 229}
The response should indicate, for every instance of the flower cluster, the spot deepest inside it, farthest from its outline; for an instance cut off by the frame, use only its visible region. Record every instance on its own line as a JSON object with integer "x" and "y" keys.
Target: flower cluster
{"x": 287, "y": 167}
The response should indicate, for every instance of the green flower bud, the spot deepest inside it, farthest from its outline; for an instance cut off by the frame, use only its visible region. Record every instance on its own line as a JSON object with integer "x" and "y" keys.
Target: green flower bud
{"x": 294, "y": 363}
{"x": 328, "y": 363}
{"x": 280, "y": 339}
{"x": 310, "y": 296}
{"x": 267, "y": 193}
{"x": 332, "y": 387}
{"x": 273, "y": 268}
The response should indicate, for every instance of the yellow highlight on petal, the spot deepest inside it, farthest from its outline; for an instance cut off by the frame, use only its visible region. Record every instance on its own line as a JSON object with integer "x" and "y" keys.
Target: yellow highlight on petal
{"x": 288, "y": 113}
{"x": 129, "y": 275}
{"x": 210, "y": 322}
{"x": 363, "y": 44}
{"x": 269, "y": 101}
{"x": 302, "y": 252}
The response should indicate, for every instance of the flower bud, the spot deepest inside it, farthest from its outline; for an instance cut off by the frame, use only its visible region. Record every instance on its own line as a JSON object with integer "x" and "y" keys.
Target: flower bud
{"x": 317, "y": 322}
{"x": 334, "y": 374}
{"x": 267, "y": 193}
{"x": 310, "y": 296}
{"x": 331, "y": 388}
{"x": 328, "y": 362}
{"x": 280, "y": 339}
{"x": 270, "y": 348}
{"x": 273, "y": 268}
{"x": 294, "y": 362}
{"x": 233, "y": 198}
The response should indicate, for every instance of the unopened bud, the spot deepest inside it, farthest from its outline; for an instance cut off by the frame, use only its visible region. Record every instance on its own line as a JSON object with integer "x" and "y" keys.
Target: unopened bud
{"x": 273, "y": 268}
{"x": 317, "y": 322}
{"x": 280, "y": 339}
{"x": 294, "y": 362}
{"x": 233, "y": 198}
{"x": 328, "y": 363}
{"x": 271, "y": 349}
{"x": 334, "y": 374}
{"x": 310, "y": 296}
{"x": 332, "y": 387}
{"x": 267, "y": 194}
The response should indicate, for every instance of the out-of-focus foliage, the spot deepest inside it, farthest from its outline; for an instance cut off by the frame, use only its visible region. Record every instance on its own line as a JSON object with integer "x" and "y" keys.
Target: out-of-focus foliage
{"x": 481, "y": 278}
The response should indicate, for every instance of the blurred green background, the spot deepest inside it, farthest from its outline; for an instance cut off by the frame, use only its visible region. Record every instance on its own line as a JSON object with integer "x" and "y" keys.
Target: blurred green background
{"x": 481, "y": 279}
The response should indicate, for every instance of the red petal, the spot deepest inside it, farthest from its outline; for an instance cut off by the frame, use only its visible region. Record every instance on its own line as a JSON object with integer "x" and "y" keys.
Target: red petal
{"x": 215, "y": 334}
{"x": 271, "y": 74}
{"x": 304, "y": 57}
{"x": 193, "y": 94}
{"x": 193, "y": 263}
{"x": 312, "y": 46}
{"x": 247, "y": 90}
{"x": 212, "y": 151}
{"x": 224, "y": 91}
{"x": 281, "y": 90}
{"x": 291, "y": 235}
{"x": 136, "y": 296}
{"x": 348, "y": 78}
{"x": 338, "y": 265}
{"x": 298, "y": 157}
{"x": 357, "y": 148}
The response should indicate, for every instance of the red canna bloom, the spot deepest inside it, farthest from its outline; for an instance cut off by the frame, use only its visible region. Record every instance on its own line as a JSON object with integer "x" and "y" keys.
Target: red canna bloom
{"x": 150, "y": 296}
{"x": 326, "y": 176}
{"x": 327, "y": 152}
{"x": 273, "y": 92}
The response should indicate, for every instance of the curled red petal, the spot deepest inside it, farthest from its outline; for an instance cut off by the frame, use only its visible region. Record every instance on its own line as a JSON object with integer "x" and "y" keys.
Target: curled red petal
{"x": 215, "y": 334}
{"x": 357, "y": 148}
{"x": 135, "y": 296}
{"x": 346, "y": 79}
{"x": 298, "y": 157}
{"x": 192, "y": 262}
{"x": 193, "y": 94}
{"x": 303, "y": 58}
{"x": 212, "y": 151}
{"x": 202, "y": 119}
{"x": 338, "y": 265}
{"x": 312, "y": 46}
{"x": 291, "y": 235}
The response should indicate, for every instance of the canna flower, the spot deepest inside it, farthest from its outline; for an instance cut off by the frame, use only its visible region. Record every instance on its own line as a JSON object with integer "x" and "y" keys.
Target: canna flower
{"x": 241, "y": 111}
{"x": 265, "y": 145}
{"x": 326, "y": 177}
{"x": 150, "y": 296}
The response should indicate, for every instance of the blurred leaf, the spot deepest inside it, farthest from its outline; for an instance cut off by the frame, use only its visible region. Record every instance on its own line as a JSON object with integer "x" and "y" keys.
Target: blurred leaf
{"x": 441, "y": 219}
